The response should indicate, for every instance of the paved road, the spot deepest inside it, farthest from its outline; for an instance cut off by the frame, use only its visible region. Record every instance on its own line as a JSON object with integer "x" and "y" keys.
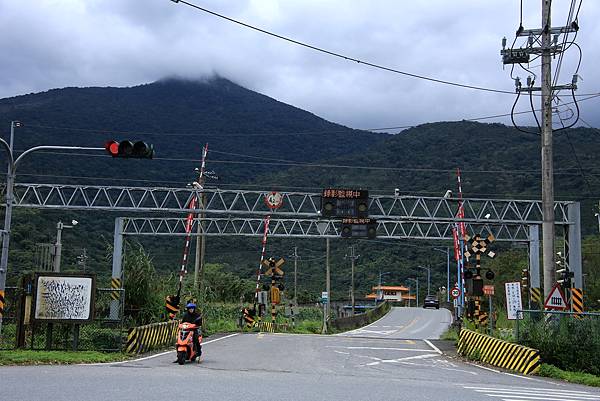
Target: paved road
{"x": 288, "y": 367}
{"x": 410, "y": 323}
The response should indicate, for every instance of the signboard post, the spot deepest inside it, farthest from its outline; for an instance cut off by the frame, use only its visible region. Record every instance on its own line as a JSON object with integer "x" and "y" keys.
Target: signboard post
{"x": 489, "y": 291}
{"x": 513, "y": 300}
{"x": 325, "y": 301}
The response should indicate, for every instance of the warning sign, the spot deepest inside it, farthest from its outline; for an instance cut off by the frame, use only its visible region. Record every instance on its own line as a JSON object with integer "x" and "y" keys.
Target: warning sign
{"x": 556, "y": 300}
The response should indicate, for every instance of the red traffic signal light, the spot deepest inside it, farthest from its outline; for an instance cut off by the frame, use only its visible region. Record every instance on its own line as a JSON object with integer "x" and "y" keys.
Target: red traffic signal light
{"x": 129, "y": 149}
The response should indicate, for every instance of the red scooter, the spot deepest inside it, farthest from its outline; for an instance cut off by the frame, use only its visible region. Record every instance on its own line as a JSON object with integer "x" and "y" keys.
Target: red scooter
{"x": 185, "y": 343}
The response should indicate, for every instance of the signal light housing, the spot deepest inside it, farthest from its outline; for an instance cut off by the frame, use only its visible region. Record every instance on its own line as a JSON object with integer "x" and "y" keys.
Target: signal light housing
{"x": 130, "y": 149}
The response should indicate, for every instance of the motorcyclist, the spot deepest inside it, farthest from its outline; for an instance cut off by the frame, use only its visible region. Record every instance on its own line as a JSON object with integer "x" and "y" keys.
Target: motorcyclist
{"x": 191, "y": 316}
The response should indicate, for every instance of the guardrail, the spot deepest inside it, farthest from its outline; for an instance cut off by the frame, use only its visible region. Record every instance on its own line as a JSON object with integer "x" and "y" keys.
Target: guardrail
{"x": 361, "y": 320}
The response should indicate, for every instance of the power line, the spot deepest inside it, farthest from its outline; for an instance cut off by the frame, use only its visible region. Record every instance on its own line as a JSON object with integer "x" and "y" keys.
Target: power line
{"x": 339, "y": 55}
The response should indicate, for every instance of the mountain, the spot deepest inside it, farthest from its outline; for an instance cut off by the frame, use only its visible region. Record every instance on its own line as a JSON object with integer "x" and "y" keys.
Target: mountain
{"x": 178, "y": 117}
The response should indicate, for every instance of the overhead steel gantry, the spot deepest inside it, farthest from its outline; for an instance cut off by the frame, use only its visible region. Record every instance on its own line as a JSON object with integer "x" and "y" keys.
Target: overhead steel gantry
{"x": 296, "y": 204}
{"x": 239, "y": 212}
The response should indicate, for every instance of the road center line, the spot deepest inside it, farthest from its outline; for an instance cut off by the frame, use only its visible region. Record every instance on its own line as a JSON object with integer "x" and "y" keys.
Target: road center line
{"x": 155, "y": 355}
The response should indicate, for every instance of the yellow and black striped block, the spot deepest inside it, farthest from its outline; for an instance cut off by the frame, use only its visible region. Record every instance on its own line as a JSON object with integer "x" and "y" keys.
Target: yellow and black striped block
{"x": 577, "y": 300}
{"x": 151, "y": 336}
{"x": 536, "y": 295}
{"x": 498, "y": 353}
{"x": 271, "y": 327}
{"x": 2, "y": 303}
{"x": 115, "y": 284}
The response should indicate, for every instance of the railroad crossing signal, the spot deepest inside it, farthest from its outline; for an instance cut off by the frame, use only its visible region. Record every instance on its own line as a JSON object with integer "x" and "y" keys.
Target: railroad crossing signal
{"x": 274, "y": 267}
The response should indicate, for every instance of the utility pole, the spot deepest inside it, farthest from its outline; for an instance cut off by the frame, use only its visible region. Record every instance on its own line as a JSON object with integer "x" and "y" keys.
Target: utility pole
{"x": 328, "y": 278}
{"x": 549, "y": 48}
{"x": 296, "y": 275}
{"x": 352, "y": 257}
{"x": 547, "y": 159}
{"x": 200, "y": 239}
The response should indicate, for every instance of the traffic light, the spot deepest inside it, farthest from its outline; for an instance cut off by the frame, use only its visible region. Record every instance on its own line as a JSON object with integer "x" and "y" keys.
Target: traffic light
{"x": 524, "y": 278}
{"x": 129, "y": 149}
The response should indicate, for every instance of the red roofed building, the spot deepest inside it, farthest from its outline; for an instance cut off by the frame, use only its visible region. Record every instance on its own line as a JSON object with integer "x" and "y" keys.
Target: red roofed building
{"x": 392, "y": 293}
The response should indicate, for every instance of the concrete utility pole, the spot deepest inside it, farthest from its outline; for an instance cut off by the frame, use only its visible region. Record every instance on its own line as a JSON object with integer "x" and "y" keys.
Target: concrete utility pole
{"x": 549, "y": 48}
{"x": 547, "y": 158}
{"x": 352, "y": 257}
{"x": 201, "y": 238}
{"x": 428, "y": 277}
{"x": 296, "y": 275}
{"x": 328, "y": 279}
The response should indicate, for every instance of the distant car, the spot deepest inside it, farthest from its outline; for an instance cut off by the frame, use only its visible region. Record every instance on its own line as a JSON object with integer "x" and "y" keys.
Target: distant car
{"x": 431, "y": 301}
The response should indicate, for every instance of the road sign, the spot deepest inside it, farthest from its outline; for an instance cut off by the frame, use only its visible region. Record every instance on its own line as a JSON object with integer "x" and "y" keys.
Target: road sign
{"x": 359, "y": 228}
{"x": 488, "y": 289}
{"x": 324, "y": 297}
{"x": 556, "y": 299}
{"x": 513, "y": 300}
{"x": 455, "y": 292}
{"x": 345, "y": 203}
{"x": 274, "y": 200}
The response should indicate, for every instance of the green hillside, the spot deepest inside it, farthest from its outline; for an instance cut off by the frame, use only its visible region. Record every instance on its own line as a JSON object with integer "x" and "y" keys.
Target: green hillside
{"x": 244, "y": 130}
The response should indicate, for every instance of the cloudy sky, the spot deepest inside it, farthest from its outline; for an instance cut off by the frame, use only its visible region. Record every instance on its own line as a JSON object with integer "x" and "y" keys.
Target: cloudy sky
{"x": 56, "y": 43}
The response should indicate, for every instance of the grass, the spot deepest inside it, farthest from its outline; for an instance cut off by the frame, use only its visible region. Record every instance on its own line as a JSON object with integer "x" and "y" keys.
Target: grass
{"x": 29, "y": 357}
{"x": 553, "y": 372}
{"x": 451, "y": 334}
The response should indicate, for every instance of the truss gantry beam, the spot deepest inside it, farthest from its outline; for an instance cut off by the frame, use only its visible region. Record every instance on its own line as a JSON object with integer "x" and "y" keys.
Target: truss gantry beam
{"x": 310, "y": 228}
{"x": 295, "y": 204}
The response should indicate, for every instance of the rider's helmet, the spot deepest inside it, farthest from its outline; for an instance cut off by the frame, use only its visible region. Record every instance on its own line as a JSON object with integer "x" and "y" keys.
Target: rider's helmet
{"x": 190, "y": 305}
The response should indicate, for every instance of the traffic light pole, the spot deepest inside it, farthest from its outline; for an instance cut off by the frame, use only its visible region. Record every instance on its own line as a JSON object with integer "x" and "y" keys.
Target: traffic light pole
{"x": 10, "y": 183}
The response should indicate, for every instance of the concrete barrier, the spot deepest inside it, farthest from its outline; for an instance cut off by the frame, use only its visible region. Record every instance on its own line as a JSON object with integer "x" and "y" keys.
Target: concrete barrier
{"x": 498, "y": 352}
{"x": 361, "y": 320}
{"x": 151, "y": 336}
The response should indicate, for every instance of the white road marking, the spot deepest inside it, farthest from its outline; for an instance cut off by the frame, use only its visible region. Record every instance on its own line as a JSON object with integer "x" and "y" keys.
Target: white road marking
{"x": 533, "y": 393}
{"x": 436, "y": 349}
{"x": 381, "y": 348}
{"x": 155, "y": 355}
{"x": 400, "y": 360}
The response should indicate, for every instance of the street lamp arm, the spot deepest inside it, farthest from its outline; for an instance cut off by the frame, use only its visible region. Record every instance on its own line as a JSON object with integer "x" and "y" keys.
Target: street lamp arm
{"x": 48, "y": 147}
{"x": 8, "y": 151}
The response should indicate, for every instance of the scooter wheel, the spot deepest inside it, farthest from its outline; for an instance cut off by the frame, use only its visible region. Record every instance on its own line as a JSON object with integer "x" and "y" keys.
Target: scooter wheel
{"x": 181, "y": 357}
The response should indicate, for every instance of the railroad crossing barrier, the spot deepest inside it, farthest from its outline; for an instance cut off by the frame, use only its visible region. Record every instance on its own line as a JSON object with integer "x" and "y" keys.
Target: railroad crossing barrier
{"x": 151, "y": 336}
{"x": 499, "y": 353}
{"x": 271, "y": 327}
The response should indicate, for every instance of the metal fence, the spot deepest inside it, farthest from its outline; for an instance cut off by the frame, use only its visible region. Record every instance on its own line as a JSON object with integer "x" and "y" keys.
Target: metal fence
{"x": 568, "y": 340}
{"x": 105, "y": 333}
